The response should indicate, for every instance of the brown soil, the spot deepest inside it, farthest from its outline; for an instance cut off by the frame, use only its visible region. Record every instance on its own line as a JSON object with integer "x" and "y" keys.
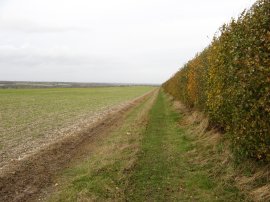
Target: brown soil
{"x": 24, "y": 180}
{"x": 19, "y": 146}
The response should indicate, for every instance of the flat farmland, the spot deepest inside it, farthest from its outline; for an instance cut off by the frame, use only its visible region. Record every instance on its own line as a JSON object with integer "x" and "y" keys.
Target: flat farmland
{"x": 31, "y": 118}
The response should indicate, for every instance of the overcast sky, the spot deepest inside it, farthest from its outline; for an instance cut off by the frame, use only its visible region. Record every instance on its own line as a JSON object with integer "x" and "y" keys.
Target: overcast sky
{"x": 128, "y": 41}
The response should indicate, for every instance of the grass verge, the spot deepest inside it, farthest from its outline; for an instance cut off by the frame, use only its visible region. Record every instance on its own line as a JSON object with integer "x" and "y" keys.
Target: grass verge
{"x": 167, "y": 169}
{"x": 155, "y": 155}
{"x": 104, "y": 174}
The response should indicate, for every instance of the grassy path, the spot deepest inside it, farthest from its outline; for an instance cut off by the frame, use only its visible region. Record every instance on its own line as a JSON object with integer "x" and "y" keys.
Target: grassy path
{"x": 165, "y": 170}
{"x": 103, "y": 174}
{"x": 150, "y": 157}
{"x": 156, "y": 175}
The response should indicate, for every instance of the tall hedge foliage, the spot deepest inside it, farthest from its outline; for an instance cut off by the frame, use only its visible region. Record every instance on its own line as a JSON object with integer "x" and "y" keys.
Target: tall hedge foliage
{"x": 230, "y": 81}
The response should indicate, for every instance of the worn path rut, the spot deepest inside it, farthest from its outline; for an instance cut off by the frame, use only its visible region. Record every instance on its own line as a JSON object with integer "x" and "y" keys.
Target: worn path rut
{"x": 24, "y": 180}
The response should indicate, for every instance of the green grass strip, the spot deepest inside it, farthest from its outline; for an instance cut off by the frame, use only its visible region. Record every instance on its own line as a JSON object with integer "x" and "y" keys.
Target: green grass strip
{"x": 148, "y": 158}
{"x": 164, "y": 170}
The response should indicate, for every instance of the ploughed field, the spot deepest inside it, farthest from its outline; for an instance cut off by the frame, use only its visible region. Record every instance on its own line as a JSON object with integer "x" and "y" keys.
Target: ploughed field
{"x": 32, "y": 118}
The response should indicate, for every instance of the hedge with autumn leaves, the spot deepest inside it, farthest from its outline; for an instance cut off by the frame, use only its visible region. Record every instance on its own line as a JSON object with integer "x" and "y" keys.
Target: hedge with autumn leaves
{"x": 230, "y": 81}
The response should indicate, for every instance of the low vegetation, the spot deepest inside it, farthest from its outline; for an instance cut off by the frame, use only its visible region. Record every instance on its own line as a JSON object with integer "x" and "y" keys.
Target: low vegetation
{"x": 161, "y": 154}
{"x": 27, "y": 115}
{"x": 103, "y": 174}
{"x": 230, "y": 82}
{"x": 33, "y": 112}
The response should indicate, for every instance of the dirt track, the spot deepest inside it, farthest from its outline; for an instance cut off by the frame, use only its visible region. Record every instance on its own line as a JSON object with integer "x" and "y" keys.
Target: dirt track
{"x": 24, "y": 180}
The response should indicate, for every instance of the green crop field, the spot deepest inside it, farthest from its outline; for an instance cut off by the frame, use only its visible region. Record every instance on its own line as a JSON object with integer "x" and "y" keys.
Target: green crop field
{"x": 27, "y": 114}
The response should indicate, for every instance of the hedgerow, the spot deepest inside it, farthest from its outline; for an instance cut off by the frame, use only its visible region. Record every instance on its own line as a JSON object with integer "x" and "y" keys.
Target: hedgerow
{"x": 230, "y": 81}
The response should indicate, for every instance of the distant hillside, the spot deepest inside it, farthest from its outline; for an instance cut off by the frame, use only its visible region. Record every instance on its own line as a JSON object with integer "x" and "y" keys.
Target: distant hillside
{"x": 30, "y": 84}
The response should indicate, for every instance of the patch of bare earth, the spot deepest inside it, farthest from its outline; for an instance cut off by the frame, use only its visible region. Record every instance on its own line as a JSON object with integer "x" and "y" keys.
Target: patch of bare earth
{"x": 17, "y": 149}
{"x": 23, "y": 178}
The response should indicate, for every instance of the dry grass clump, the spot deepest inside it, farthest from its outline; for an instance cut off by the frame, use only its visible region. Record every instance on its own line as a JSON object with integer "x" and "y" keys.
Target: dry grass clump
{"x": 213, "y": 150}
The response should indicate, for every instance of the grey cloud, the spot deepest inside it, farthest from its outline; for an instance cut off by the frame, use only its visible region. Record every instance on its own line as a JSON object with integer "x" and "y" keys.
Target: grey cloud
{"x": 31, "y": 27}
{"x": 29, "y": 57}
{"x": 106, "y": 41}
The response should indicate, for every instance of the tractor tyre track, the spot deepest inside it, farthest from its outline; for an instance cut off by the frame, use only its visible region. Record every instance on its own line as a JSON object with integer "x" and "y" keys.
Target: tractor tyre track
{"x": 24, "y": 180}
